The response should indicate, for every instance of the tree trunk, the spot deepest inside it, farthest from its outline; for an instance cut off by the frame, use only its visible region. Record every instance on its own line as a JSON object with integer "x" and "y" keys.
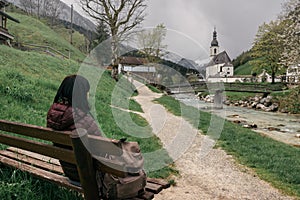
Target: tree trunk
{"x": 114, "y": 61}
{"x": 273, "y": 77}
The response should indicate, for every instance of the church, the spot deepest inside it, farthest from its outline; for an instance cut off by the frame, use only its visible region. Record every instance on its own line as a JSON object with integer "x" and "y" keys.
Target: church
{"x": 220, "y": 67}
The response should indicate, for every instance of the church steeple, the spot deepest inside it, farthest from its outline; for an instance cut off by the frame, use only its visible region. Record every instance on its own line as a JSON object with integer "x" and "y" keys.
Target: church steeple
{"x": 214, "y": 46}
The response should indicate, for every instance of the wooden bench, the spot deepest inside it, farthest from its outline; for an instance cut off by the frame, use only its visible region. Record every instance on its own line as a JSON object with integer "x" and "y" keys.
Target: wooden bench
{"x": 41, "y": 159}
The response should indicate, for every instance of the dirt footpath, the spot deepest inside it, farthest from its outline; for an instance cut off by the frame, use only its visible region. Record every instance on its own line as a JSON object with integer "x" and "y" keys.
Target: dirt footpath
{"x": 214, "y": 176}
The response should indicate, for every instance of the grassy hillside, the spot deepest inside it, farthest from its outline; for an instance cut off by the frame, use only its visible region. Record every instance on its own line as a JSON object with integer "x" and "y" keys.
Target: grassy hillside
{"x": 32, "y": 31}
{"x": 78, "y": 39}
{"x": 28, "y": 83}
{"x": 245, "y": 69}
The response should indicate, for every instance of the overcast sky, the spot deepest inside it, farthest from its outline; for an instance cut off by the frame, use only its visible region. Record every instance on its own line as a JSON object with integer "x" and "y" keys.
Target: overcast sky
{"x": 190, "y": 23}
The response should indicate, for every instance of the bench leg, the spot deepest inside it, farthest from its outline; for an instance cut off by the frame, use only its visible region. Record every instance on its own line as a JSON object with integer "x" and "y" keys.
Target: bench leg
{"x": 86, "y": 170}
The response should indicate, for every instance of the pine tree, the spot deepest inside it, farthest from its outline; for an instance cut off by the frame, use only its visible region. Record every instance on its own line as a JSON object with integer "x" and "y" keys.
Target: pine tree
{"x": 101, "y": 34}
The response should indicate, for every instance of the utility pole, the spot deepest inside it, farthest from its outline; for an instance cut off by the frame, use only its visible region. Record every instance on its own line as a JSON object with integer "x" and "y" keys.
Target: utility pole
{"x": 71, "y": 30}
{"x": 71, "y": 38}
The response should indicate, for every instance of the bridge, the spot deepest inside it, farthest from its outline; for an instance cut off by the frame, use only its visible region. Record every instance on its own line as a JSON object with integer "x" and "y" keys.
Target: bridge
{"x": 202, "y": 86}
{"x": 196, "y": 87}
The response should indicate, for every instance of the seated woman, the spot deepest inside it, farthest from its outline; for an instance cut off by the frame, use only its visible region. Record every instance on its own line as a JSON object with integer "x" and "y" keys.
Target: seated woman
{"x": 69, "y": 111}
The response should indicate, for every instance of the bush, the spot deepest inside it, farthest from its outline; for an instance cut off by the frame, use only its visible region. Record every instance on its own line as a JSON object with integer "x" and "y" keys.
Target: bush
{"x": 291, "y": 102}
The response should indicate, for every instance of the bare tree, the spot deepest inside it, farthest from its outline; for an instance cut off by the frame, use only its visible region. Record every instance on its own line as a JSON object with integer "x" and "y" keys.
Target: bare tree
{"x": 121, "y": 17}
{"x": 151, "y": 41}
{"x": 29, "y": 6}
{"x": 38, "y": 7}
{"x": 52, "y": 9}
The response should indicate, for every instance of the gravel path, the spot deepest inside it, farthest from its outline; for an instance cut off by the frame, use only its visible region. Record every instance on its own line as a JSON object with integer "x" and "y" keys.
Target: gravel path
{"x": 215, "y": 176}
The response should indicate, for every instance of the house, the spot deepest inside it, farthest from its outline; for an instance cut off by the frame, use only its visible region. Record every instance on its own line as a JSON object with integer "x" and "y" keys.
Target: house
{"x": 293, "y": 74}
{"x": 266, "y": 77}
{"x": 130, "y": 61}
{"x": 137, "y": 66}
{"x": 220, "y": 67}
{"x": 5, "y": 36}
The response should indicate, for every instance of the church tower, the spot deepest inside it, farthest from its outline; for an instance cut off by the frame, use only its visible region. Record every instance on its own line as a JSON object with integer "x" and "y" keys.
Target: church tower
{"x": 214, "y": 47}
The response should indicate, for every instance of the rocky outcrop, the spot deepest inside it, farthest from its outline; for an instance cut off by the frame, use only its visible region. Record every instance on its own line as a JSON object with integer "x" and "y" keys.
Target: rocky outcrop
{"x": 267, "y": 104}
{"x": 258, "y": 102}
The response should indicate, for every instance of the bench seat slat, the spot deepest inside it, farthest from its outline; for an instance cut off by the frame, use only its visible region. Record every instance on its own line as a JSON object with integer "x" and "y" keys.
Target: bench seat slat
{"x": 32, "y": 161}
{"x": 39, "y": 147}
{"x": 35, "y": 155}
{"x": 162, "y": 182}
{"x": 36, "y": 132}
{"x": 46, "y": 175}
{"x": 154, "y": 188}
{"x": 147, "y": 196}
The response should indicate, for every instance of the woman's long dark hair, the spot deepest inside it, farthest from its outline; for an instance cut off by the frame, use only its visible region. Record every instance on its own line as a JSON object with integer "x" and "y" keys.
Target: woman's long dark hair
{"x": 73, "y": 91}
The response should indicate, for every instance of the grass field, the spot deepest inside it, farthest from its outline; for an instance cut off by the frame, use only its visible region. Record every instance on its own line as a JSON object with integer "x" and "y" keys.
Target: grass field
{"x": 273, "y": 161}
{"x": 236, "y": 96}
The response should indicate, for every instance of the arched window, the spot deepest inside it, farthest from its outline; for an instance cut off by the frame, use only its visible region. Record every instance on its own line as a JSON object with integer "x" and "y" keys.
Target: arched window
{"x": 215, "y": 51}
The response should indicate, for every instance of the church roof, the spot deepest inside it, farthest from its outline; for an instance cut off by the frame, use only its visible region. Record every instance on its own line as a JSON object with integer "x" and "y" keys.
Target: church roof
{"x": 214, "y": 42}
{"x": 220, "y": 58}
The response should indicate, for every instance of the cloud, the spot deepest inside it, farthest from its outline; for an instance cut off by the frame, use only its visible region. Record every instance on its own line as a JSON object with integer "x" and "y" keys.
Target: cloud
{"x": 191, "y": 23}
{"x": 237, "y": 21}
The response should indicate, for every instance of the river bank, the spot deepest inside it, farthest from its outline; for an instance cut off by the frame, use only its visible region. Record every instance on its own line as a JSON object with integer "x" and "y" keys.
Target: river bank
{"x": 281, "y": 101}
{"x": 283, "y": 127}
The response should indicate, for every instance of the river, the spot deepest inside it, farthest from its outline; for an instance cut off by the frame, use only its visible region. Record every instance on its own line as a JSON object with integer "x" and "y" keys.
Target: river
{"x": 279, "y": 126}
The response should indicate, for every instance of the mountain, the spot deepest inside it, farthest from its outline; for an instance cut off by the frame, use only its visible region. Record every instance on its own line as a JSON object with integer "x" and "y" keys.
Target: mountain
{"x": 203, "y": 63}
{"x": 65, "y": 13}
{"x": 189, "y": 64}
{"x": 171, "y": 56}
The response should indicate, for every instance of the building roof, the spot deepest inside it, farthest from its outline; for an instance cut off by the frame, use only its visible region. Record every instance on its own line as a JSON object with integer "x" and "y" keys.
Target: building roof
{"x": 220, "y": 58}
{"x": 132, "y": 60}
{"x": 9, "y": 17}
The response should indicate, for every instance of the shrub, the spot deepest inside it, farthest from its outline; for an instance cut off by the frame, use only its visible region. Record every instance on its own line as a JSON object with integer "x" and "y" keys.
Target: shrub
{"x": 291, "y": 102}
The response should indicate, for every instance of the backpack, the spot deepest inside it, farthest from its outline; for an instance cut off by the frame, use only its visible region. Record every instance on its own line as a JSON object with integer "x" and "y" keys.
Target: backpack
{"x": 113, "y": 187}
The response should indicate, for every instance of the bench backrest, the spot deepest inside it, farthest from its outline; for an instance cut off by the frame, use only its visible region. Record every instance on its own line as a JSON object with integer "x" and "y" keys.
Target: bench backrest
{"x": 35, "y": 138}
